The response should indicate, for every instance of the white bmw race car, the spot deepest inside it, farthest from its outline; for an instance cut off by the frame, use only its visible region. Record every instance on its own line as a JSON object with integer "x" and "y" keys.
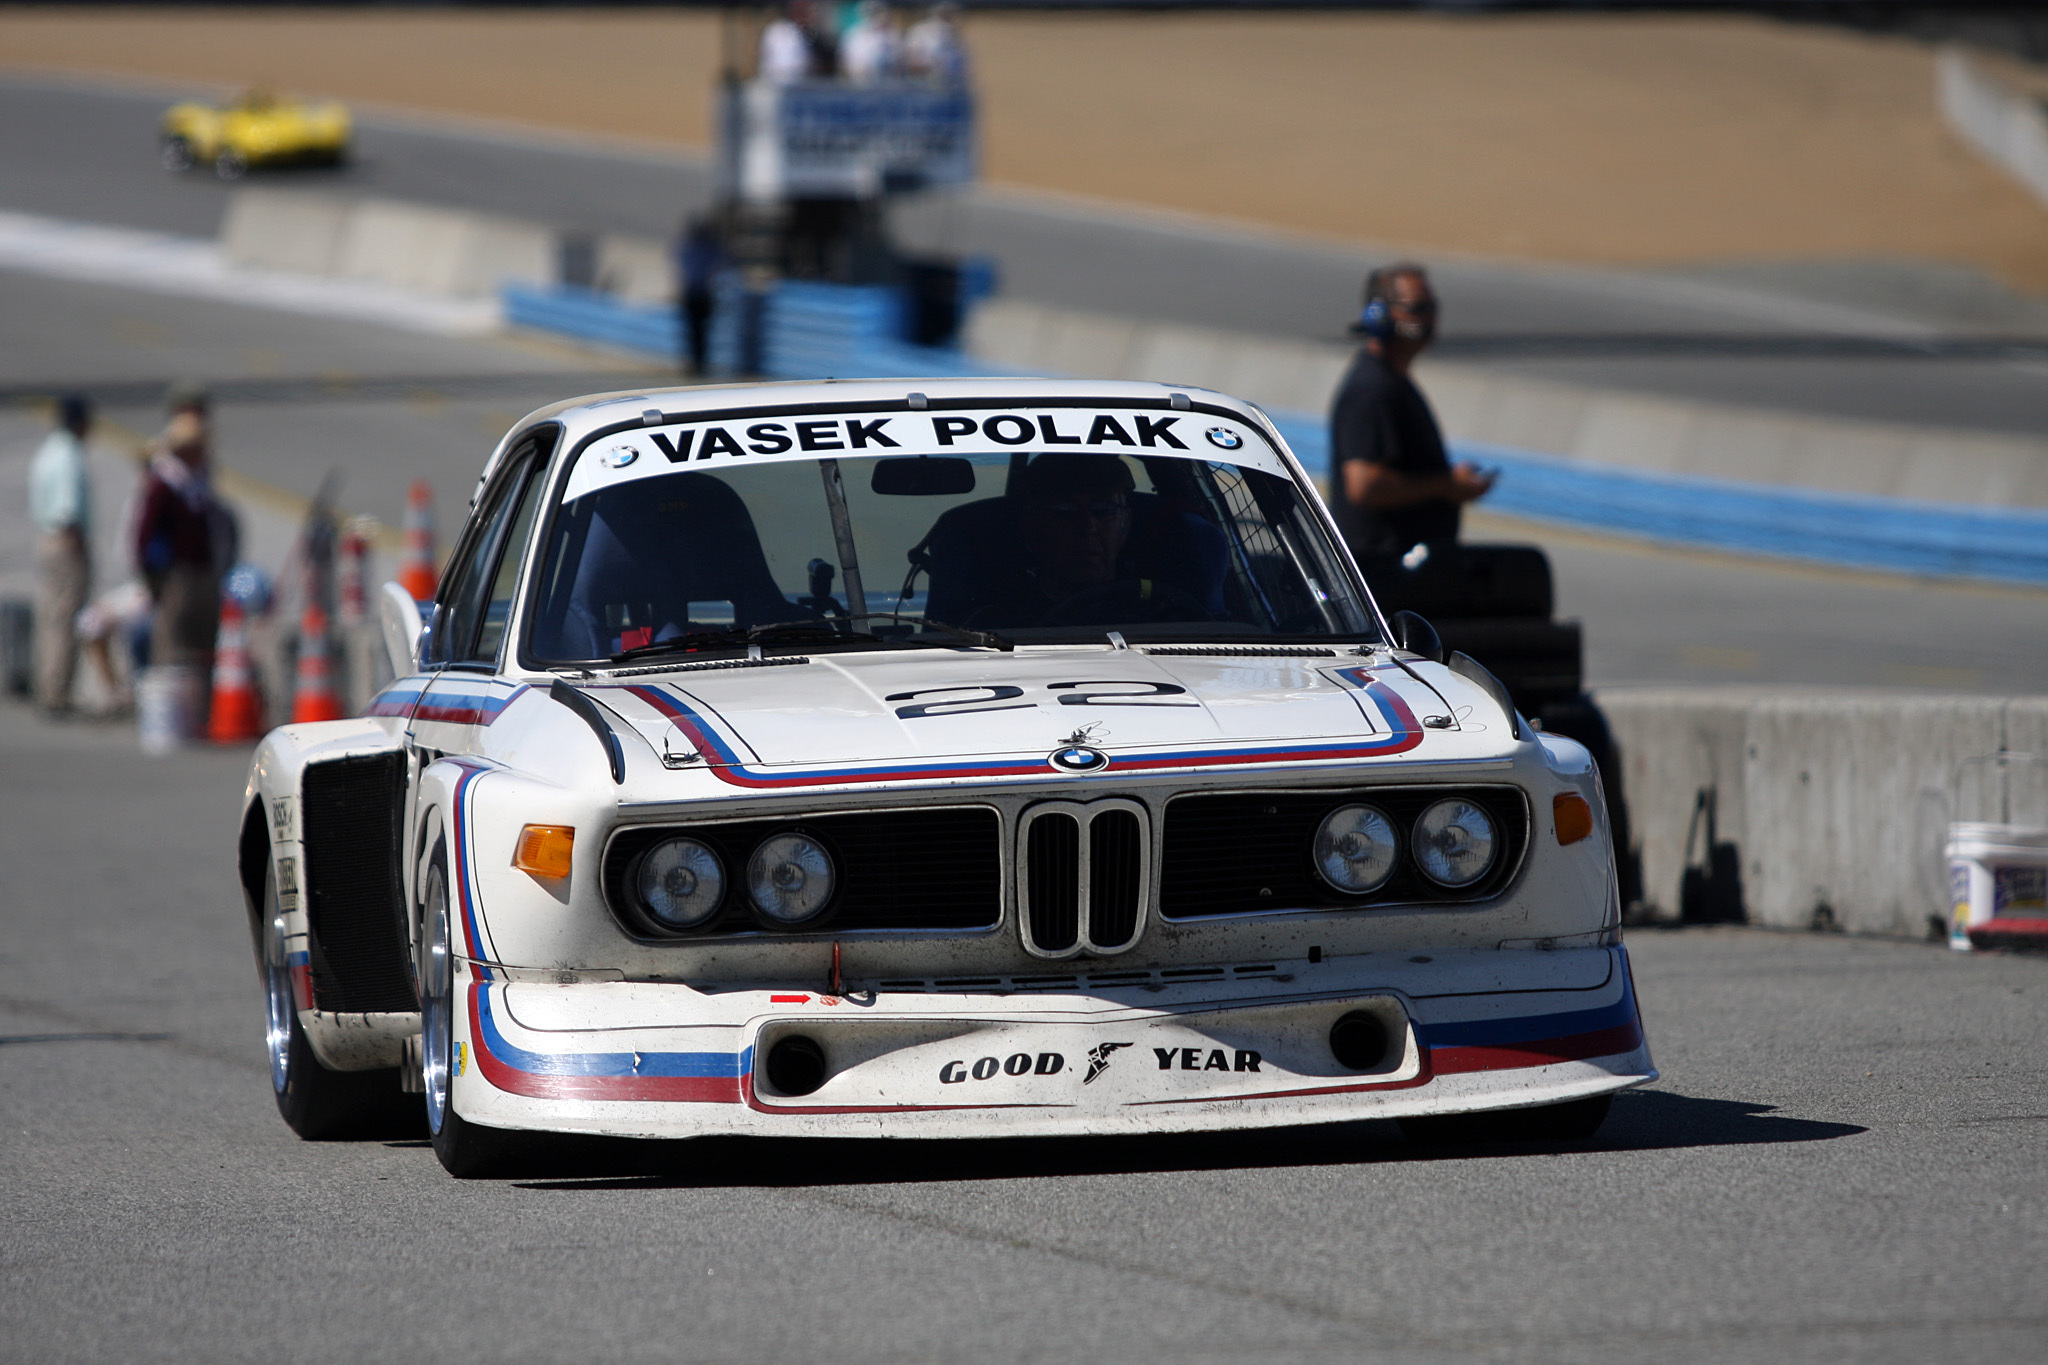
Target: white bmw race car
{"x": 997, "y": 758}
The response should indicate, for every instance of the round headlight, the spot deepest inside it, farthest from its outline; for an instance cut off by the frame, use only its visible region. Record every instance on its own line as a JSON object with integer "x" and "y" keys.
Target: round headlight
{"x": 1454, "y": 842}
{"x": 1355, "y": 849}
{"x": 790, "y": 878}
{"x": 681, "y": 883}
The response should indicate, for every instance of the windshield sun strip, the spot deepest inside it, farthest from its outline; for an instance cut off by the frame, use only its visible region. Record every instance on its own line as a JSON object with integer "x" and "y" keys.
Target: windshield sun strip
{"x": 1254, "y": 419}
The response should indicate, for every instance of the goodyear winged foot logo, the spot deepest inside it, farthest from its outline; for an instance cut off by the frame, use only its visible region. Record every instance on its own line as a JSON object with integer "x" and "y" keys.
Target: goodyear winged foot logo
{"x": 1098, "y": 1059}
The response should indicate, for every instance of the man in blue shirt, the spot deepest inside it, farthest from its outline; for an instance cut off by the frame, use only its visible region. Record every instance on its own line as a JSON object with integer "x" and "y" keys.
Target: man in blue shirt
{"x": 60, "y": 504}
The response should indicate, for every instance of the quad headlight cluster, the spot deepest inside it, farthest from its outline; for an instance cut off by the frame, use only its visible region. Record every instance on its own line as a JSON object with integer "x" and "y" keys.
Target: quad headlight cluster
{"x": 682, "y": 884}
{"x": 1453, "y": 842}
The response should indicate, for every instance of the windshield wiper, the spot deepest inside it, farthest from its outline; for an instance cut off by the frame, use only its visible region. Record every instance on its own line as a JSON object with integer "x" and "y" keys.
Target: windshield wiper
{"x": 806, "y": 633}
{"x": 724, "y": 639}
{"x": 987, "y": 639}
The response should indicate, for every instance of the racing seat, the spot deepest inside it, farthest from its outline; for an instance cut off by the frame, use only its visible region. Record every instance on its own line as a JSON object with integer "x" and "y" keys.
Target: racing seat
{"x": 974, "y": 558}
{"x": 644, "y": 551}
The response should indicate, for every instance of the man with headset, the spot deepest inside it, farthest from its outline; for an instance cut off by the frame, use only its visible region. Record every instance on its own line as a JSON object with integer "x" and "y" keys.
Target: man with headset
{"x": 1393, "y": 485}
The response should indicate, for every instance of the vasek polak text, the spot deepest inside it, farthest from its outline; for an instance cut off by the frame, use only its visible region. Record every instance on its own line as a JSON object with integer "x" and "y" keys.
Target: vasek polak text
{"x": 968, "y": 434}
{"x": 1053, "y": 1063}
{"x": 740, "y": 439}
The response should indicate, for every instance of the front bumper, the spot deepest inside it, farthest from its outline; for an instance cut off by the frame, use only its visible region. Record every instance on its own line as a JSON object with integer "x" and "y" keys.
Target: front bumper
{"x": 1466, "y": 1031}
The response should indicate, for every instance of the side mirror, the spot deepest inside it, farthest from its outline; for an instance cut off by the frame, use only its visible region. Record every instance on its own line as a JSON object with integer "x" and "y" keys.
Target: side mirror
{"x": 404, "y": 629}
{"x": 923, "y": 476}
{"x": 1417, "y": 636}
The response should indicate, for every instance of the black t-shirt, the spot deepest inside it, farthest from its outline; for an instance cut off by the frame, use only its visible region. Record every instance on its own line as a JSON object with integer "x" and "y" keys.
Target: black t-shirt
{"x": 1380, "y": 417}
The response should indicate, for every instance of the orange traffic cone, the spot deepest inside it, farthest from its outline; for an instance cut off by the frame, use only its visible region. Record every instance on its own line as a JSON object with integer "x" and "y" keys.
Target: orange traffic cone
{"x": 314, "y": 697}
{"x": 417, "y": 575}
{"x": 237, "y": 712}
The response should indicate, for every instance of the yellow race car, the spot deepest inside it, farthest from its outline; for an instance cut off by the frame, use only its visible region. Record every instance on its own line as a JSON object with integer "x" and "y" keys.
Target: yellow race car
{"x": 258, "y": 129}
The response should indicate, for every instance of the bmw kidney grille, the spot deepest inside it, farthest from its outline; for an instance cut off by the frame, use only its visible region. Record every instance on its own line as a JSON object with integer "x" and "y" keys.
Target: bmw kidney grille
{"x": 1085, "y": 873}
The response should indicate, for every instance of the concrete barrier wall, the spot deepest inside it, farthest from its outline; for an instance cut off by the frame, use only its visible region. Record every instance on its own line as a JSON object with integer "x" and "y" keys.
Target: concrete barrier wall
{"x": 298, "y": 233}
{"x": 636, "y": 269}
{"x": 1836, "y": 801}
{"x": 2005, "y": 126}
{"x": 416, "y": 247}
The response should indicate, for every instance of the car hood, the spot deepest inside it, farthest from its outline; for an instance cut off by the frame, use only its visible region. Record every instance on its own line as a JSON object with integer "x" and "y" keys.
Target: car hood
{"x": 968, "y": 713}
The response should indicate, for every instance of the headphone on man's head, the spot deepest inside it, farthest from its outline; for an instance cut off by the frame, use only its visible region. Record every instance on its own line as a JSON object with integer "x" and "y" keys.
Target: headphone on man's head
{"x": 1377, "y": 320}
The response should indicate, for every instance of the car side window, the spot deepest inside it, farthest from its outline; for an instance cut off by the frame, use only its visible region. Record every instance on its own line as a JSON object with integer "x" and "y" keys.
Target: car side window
{"x": 460, "y": 598}
{"x": 464, "y": 630}
{"x": 497, "y": 611}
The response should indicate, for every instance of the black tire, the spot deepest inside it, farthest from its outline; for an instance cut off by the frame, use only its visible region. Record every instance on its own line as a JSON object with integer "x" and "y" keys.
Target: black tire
{"x": 1572, "y": 1121}
{"x": 468, "y": 1151}
{"x": 176, "y": 155}
{"x": 230, "y": 164}
{"x": 316, "y": 1103}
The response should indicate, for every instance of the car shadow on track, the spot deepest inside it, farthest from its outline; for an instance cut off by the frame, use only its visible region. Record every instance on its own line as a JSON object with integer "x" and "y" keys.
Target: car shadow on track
{"x": 1641, "y": 1121}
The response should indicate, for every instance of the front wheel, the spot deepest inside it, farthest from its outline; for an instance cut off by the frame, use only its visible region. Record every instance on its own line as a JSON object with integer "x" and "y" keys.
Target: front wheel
{"x": 316, "y": 1103}
{"x": 230, "y": 164}
{"x": 176, "y": 155}
{"x": 467, "y": 1150}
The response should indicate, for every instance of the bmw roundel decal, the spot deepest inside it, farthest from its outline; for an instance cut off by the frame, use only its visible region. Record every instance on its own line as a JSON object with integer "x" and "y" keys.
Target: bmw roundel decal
{"x": 618, "y": 457}
{"x": 1224, "y": 438}
{"x": 1079, "y": 758}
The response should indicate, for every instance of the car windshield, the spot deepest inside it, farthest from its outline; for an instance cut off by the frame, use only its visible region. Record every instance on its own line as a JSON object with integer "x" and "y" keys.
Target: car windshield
{"x": 1001, "y": 548}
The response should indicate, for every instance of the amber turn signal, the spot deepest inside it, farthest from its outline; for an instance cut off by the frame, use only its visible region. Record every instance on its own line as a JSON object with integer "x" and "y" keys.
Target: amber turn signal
{"x": 544, "y": 850}
{"x": 1574, "y": 819}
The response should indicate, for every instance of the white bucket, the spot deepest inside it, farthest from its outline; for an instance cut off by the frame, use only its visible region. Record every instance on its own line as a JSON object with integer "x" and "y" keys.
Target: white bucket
{"x": 166, "y": 707}
{"x": 1995, "y": 872}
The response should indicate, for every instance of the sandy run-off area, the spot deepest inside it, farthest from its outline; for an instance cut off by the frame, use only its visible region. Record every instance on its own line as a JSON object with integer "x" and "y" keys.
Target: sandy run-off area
{"x": 1625, "y": 140}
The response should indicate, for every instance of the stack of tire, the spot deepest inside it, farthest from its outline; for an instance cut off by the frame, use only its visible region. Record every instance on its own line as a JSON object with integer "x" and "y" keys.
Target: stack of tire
{"x": 1495, "y": 603}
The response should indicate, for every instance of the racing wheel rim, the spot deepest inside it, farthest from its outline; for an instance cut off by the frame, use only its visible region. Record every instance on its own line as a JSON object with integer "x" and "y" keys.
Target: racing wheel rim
{"x": 278, "y": 1007}
{"x": 436, "y": 1006}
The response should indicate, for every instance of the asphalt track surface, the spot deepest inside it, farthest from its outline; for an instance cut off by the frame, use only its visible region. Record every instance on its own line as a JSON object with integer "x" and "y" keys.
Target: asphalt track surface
{"x": 1844, "y": 340}
{"x": 1841, "y": 1163}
